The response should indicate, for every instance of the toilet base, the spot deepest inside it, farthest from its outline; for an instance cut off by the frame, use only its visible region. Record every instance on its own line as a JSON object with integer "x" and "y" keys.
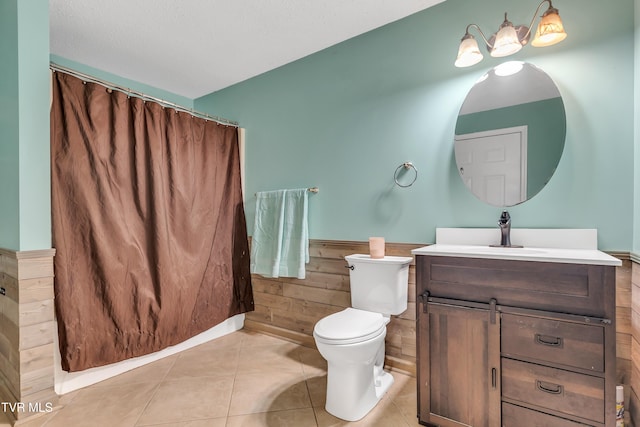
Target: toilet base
{"x": 386, "y": 381}
{"x": 353, "y": 391}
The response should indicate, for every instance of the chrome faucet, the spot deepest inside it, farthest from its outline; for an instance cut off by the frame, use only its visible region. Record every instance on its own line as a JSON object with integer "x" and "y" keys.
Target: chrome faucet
{"x": 505, "y": 229}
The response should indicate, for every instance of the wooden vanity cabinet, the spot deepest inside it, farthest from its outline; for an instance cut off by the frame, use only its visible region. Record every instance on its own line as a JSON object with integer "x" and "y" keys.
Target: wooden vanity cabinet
{"x": 515, "y": 343}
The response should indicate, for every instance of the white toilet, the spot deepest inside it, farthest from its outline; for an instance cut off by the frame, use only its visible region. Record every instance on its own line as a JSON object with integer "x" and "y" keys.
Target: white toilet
{"x": 352, "y": 341}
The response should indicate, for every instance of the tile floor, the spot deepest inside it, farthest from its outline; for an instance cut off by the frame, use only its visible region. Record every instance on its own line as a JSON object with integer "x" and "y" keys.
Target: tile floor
{"x": 244, "y": 379}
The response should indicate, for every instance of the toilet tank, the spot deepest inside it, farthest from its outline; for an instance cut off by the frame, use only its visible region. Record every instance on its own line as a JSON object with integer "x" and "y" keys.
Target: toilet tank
{"x": 379, "y": 284}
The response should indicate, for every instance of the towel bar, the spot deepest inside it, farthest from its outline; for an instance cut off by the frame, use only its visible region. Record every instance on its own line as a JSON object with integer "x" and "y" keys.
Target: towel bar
{"x": 310, "y": 190}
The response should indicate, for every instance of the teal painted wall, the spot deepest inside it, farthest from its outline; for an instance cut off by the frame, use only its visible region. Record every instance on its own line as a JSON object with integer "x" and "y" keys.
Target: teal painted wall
{"x": 9, "y": 132}
{"x": 35, "y": 159}
{"x": 343, "y": 119}
{"x": 24, "y": 130}
{"x": 123, "y": 82}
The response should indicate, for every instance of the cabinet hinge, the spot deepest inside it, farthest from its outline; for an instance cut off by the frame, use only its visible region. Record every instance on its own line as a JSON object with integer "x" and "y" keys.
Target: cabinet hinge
{"x": 492, "y": 311}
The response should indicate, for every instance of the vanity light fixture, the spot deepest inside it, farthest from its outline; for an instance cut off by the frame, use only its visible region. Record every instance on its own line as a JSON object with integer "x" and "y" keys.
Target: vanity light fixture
{"x": 509, "y": 39}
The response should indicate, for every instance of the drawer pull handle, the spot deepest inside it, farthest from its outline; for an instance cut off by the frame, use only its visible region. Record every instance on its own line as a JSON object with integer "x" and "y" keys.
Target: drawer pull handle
{"x": 549, "y": 340}
{"x": 549, "y": 387}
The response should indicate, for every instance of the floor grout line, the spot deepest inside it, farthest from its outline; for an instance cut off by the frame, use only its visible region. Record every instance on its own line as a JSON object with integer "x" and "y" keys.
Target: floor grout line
{"x": 166, "y": 374}
{"x": 233, "y": 386}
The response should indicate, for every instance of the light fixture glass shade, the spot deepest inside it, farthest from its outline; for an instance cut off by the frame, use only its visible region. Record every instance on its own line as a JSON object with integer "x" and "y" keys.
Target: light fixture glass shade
{"x": 550, "y": 29}
{"x": 506, "y": 42}
{"x": 468, "y": 53}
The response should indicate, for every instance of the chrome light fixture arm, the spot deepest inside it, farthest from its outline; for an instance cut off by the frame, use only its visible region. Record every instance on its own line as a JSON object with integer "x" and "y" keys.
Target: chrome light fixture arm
{"x": 535, "y": 15}
{"x": 489, "y": 45}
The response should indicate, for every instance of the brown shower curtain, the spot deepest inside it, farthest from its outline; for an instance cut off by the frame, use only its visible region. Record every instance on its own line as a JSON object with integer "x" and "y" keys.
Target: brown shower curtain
{"x": 148, "y": 224}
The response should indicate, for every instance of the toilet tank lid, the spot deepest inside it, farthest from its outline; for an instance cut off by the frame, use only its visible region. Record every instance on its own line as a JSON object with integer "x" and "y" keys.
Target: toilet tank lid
{"x": 387, "y": 259}
{"x": 350, "y": 323}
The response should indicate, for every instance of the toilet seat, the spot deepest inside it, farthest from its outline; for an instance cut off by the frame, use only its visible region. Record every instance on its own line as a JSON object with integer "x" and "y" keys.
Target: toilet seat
{"x": 350, "y": 326}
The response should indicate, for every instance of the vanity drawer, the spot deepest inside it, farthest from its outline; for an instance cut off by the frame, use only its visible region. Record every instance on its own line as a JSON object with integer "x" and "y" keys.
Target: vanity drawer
{"x": 555, "y": 341}
{"x": 517, "y": 416}
{"x": 563, "y": 391}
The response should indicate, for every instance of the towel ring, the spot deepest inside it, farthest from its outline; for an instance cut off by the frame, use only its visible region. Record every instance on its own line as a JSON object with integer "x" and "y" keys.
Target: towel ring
{"x": 406, "y": 166}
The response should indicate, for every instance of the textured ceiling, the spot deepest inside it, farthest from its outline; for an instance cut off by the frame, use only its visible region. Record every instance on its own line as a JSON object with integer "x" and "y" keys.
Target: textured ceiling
{"x": 195, "y": 47}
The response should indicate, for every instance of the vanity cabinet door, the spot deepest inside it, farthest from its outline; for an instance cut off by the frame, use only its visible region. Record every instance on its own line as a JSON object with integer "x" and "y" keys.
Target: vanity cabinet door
{"x": 460, "y": 384}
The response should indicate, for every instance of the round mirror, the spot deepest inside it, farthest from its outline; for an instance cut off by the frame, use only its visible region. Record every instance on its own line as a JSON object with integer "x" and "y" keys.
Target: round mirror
{"x": 510, "y": 134}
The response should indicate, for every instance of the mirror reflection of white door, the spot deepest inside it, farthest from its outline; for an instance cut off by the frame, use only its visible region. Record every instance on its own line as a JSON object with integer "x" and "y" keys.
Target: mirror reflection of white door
{"x": 493, "y": 164}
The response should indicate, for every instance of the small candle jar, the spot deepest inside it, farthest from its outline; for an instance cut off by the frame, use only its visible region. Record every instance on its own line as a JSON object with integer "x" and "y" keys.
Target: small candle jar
{"x": 376, "y": 247}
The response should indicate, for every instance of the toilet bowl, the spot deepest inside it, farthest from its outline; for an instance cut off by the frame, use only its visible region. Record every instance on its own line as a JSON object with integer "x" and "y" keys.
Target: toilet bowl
{"x": 352, "y": 342}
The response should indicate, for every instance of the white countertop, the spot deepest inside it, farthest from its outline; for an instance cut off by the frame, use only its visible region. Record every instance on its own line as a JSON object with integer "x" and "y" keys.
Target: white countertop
{"x": 574, "y": 246}
{"x": 572, "y": 256}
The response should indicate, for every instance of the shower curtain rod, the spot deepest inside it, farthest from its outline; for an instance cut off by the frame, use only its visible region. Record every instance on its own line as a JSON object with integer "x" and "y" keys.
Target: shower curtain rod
{"x": 128, "y": 91}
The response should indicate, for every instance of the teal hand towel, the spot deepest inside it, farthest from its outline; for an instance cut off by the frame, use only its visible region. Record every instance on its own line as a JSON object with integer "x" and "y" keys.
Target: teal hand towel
{"x": 280, "y": 242}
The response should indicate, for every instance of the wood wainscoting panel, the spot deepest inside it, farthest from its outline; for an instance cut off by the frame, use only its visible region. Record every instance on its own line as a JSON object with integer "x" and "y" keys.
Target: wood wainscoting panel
{"x": 632, "y": 392}
{"x": 27, "y": 331}
{"x": 624, "y": 330}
